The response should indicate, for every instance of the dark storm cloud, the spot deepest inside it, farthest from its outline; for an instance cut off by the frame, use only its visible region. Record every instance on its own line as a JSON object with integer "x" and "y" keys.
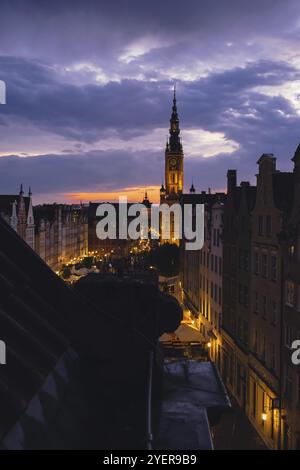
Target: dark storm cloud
{"x": 53, "y": 53}
{"x": 134, "y": 107}
{"x": 88, "y": 29}
{"x": 93, "y": 171}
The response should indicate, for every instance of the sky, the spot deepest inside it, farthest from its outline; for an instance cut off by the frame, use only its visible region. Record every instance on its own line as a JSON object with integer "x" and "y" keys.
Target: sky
{"x": 89, "y": 91}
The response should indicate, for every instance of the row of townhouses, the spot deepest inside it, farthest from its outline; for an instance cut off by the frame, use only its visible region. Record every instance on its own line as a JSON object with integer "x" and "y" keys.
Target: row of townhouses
{"x": 243, "y": 291}
{"x": 57, "y": 232}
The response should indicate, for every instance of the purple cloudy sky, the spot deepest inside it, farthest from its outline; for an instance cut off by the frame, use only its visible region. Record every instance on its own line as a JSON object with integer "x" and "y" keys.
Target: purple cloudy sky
{"x": 89, "y": 91}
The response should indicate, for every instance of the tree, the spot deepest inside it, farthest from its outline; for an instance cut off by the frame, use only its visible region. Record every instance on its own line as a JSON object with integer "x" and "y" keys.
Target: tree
{"x": 166, "y": 259}
{"x": 87, "y": 262}
{"x": 66, "y": 272}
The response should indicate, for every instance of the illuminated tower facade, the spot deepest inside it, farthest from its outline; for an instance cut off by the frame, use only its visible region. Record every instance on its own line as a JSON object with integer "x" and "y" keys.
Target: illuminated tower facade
{"x": 172, "y": 189}
{"x": 173, "y": 158}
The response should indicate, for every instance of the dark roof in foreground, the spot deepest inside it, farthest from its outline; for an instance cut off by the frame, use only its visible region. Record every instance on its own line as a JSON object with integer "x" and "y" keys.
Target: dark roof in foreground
{"x": 67, "y": 360}
{"x": 77, "y": 372}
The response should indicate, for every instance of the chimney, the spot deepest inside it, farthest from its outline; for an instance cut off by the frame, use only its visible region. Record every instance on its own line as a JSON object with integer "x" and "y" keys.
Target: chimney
{"x": 231, "y": 181}
{"x": 267, "y": 163}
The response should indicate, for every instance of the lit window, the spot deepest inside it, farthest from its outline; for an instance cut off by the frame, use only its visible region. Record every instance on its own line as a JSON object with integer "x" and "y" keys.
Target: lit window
{"x": 289, "y": 293}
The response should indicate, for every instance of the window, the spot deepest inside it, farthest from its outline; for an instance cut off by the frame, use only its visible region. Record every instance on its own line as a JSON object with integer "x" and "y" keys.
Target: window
{"x": 264, "y": 309}
{"x": 240, "y": 258}
{"x": 291, "y": 250}
{"x": 289, "y": 293}
{"x": 255, "y": 344}
{"x": 264, "y": 265}
{"x": 254, "y": 400}
{"x": 274, "y": 312}
{"x": 256, "y": 262}
{"x": 274, "y": 268}
{"x": 246, "y": 296}
{"x": 260, "y": 225}
{"x": 240, "y": 294}
{"x": 238, "y": 379}
{"x": 268, "y": 226}
{"x": 239, "y": 328}
{"x": 216, "y": 264}
{"x": 288, "y": 383}
{"x": 256, "y": 302}
{"x": 246, "y": 261}
{"x": 245, "y": 332}
{"x": 212, "y": 262}
{"x": 220, "y": 266}
{"x": 273, "y": 356}
{"x": 288, "y": 335}
{"x": 263, "y": 406}
{"x": 264, "y": 346}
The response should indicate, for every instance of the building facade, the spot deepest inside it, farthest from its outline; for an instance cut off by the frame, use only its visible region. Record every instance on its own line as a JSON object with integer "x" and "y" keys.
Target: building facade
{"x": 273, "y": 202}
{"x": 61, "y": 233}
{"x": 202, "y": 272}
{"x": 261, "y": 300}
{"x": 290, "y": 240}
{"x": 237, "y": 286}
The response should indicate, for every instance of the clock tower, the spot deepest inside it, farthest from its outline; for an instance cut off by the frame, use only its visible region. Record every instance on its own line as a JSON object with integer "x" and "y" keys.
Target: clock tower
{"x": 173, "y": 160}
{"x": 172, "y": 189}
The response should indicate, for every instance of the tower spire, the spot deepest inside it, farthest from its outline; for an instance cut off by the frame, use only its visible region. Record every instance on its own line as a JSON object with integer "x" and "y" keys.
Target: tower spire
{"x": 174, "y": 139}
{"x": 174, "y": 116}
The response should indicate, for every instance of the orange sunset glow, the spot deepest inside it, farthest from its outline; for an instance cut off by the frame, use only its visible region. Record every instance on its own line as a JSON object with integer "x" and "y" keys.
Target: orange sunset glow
{"x": 133, "y": 195}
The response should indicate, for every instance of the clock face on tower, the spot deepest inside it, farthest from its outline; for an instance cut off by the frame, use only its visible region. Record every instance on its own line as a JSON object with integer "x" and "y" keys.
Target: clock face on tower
{"x": 173, "y": 164}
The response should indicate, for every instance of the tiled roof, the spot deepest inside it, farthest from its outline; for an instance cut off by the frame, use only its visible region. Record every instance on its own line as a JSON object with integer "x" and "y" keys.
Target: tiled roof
{"x": 30, "y": 324}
